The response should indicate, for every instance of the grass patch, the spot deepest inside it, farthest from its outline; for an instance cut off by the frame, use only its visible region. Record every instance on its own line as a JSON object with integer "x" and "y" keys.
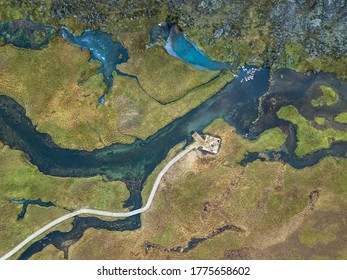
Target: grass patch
{"x": 20, "y": 179}
{"x": 60, "y": 79}
{"x": 310, "y": 235}
{"x": 48, "y": 253}
{"x": 320, "y": 120}
{"x": 302, "y": 63}
{"x": 142, "y": 116}
{"x": 266, "y": 199}
{"x": 328, "y": 98}
{"x": 341, "y": 118}
{"x": 269, "y": 140}
{"x": 68, "y": 87}
{"x": 147, "y": 188}
{"x": 165, "y": 77}
{"x": 310, "y": 139}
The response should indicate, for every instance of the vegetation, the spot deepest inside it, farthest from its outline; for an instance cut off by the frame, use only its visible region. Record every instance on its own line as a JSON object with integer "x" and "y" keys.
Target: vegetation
{"x": 341, "y": 118}
{"x": 164, "y": 77}
{"x": 320, "y": 120}
{"x": 251, "y": 38}
{"x": 270, "y": 201}
{"x": 50, "y": 252}
{"x": 20, "y": 179}
{"x": 310, "y": 235}
{"x": 142, "y": 116}
{"x": 147, "y": 188}
{"x": 68, "y": 87}
{"x": 328, "y": 98}
{"x": 310, "y": 139}
{"x": 297, "y": 59}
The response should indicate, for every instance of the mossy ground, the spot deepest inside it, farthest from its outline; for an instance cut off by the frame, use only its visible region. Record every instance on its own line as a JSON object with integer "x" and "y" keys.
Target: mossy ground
{"x": 142, "y": 116}
{"x": 310, "y": 139}
{"x": 147, "y": 188}
{"x": 20, "y": 179}
{"x": 48, "y": 252}
{"x": 251, "y": 34}
{"x": 60, "y": 79}
{"x": 59, "y": 89}
{"x": 329, "y": 97}
{"x": 301, "y": 62}
{"x": 270, "y": 201}
{"x": 320, "y": 120}
{"x": 341, "y": 118}
{"x": 164, "y": 77}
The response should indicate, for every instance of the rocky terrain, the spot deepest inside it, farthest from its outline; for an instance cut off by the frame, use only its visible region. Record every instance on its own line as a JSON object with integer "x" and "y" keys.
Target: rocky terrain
{"x": 304, "y": 35}
{"x": 319, "y": 25}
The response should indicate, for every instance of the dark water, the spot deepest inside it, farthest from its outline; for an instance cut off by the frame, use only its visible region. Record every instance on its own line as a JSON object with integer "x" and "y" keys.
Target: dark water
{"x": 79, "y": 226}
{"x": 237, "y": 103}
{"x": 27, "y": 202}
{"x": 25, "y": 33}
{"x": 296, "y": 89}
{"x": 194, "y": 242}
{"x": 102, "y": 48}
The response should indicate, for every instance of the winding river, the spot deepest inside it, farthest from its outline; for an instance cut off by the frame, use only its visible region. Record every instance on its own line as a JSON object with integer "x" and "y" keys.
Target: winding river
{"x": 237, "y": 103}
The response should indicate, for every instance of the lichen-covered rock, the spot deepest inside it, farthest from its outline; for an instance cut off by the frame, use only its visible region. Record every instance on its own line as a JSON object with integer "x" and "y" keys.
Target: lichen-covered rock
{"x": 238, "y": 30}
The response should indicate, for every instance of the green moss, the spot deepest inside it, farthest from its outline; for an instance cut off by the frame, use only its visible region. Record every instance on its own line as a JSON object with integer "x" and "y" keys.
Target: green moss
{"x": 296, "y": 58}
{"x": 268, "y": 199}
{"x": 142, "y": 116}
{"x": 20, "y": 179}
{"x": 329, "y": 97}
{"x": 68, "y": 87}
{"x": 49, "y": 253}
{"x": 274, "y": 202}
{"x": 310, "y": 236}
{"x": 341, "y": 118}
{"x": 310, "y": 139}
{"x": 9, "y": 12}
{"x": 164, "y": 77}
{"x": 269, "y": 140}
{"x": 320, "y": 120}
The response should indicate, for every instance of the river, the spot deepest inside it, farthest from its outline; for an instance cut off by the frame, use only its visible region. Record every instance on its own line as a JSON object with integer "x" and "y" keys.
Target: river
{"x": 237, "y": 103}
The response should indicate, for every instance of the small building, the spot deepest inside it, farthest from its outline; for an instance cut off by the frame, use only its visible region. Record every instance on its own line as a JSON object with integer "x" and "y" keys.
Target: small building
{"x": 210, "y": 144}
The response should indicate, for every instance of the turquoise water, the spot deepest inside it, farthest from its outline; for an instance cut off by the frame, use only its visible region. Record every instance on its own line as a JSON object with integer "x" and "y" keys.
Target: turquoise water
{"x": 179, "y": 46}
{"x": 102, "y": 48}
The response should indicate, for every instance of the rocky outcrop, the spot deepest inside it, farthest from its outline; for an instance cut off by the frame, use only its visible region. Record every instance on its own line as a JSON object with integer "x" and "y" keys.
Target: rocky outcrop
{"x": 319, "y": 25}
{"x": 240, "y": 30}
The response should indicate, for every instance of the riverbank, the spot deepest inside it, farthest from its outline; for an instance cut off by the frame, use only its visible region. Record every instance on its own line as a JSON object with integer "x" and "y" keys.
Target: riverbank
{"x": 286, "y": 213}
